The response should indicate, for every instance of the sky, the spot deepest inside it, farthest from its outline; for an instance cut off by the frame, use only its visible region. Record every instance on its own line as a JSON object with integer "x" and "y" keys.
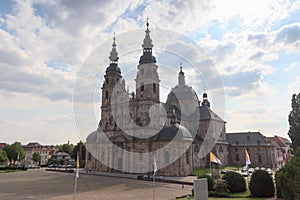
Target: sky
{"x": 45, "y": 47}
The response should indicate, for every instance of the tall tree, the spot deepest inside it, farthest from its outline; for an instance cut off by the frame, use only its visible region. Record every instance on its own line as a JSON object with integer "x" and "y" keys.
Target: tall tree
{"x": 294, "y": 121}
{"x": 36, "y": 157}
{"x": 14, "y": 152}
{"x": 288, "y": 177}
{"x": 68, "y": 148}
{"x": 3, "y": 156}
{"x": 80, "y": 148}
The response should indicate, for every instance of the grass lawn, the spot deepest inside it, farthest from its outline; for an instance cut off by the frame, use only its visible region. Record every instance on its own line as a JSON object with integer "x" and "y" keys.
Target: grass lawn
{"x": 217, "y": 198}
{"x": 204, "y": 171}
{"x": 9, "y": 170}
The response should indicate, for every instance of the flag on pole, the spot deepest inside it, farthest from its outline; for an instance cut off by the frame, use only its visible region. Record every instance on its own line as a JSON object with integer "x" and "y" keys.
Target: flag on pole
{"x": 155, "y": 166}
{"x": 18, "y": 157}
{"x": 248, "y": 161}
{"x": 214, "y": 158}
{"x": 77, "y": 166}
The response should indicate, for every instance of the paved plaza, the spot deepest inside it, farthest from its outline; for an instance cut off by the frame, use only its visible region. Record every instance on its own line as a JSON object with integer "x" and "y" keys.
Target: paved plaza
{"x": 41, "y": 184}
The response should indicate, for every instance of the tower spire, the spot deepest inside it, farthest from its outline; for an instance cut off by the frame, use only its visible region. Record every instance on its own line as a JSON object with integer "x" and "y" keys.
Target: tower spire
{"x": 114, "y": 54}
{"x": 147, "y": 47}
{"x": 181, "y": 77}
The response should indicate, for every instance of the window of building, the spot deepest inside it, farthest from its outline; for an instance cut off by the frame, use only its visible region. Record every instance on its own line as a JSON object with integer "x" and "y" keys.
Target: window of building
{"x": 167, "y": 157}
{"x": 258, "y": 142}
{"x": 259, "y": 159}
{"x": 107, "y": 80}
{"x": 236, "y": 142}
{"x": 106, "y": 94}
{"x": 154, "y": 87}
{"x": 196, "y": 149}
{"x": 237, "y": 158}
{"x": 187, "y": 156}
{"x": 142, "y": 87}
{"x": 220, "y": 148}
{"x": 89, "y": 156}
{"x": 140, "y": 156}
{"x": 236, "y": 149}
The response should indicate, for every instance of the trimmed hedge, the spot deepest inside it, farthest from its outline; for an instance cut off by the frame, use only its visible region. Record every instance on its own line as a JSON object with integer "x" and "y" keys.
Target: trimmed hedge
{"x": 261, "y": 184}
{"x": 235, "y": 182}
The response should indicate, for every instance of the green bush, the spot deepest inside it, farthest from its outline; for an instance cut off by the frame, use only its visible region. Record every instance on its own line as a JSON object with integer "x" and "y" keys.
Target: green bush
{"x": 210, "y": 181}
{"x": 221, "y": 186}
{"x": 235, "y": 182}
{"x": 288, "y": 179}
{"x": 261, "y": 184}
{"x": 277, "y": 188}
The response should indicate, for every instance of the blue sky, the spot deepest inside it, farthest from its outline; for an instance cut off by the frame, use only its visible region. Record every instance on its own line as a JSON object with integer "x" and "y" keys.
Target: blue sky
{"x": 254, "y": 46}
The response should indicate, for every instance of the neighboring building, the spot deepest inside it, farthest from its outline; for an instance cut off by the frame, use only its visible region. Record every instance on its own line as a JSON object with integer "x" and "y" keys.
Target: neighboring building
{"x": 283, "y": 150}
{"x": 188, "y": 118}
{"x": 2, "y": 145}
{"x": 32, "y": 147}
{"x": 261, "y": 152}
{"x": 61, "y": 158}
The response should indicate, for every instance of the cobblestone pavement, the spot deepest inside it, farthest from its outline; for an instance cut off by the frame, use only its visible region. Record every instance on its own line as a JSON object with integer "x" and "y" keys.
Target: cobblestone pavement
{"x": 41, "y": 184}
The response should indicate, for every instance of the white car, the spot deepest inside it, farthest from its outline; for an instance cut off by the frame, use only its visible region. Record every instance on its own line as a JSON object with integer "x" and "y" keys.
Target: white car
{"x": 270, "y": 171}
{"x": 251, "y": 170}
{"x": 245, "y": 173}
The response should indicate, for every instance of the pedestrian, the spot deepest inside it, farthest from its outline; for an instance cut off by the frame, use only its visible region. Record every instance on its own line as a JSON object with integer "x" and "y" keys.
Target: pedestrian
{"x": 188, "y": 197}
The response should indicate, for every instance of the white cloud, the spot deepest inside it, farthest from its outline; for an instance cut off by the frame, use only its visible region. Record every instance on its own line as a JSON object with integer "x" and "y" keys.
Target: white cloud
{"x": 293, "y": 88}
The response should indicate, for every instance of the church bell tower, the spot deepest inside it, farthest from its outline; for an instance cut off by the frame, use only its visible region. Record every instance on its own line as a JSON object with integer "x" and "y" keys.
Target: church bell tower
{"x": 111, "y": 78}
{"x": 147, "y": 81}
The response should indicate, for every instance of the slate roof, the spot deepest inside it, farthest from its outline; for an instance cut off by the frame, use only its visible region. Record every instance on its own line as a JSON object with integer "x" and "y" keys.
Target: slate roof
{"x": 246, "y": 139}
{"x": 176, "y": 132}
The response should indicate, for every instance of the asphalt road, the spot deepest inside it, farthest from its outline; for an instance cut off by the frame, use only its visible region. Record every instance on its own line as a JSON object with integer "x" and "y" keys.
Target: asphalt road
{"x": 40, "y": 184}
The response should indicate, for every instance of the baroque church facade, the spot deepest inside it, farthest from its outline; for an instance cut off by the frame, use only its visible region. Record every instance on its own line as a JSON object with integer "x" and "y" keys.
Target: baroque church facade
{"x": 137, "y": 132}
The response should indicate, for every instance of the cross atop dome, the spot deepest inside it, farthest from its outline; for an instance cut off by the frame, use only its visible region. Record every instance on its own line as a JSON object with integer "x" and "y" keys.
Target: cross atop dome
{"x": 147, "y": 45}
{"x": 181, "y": 77}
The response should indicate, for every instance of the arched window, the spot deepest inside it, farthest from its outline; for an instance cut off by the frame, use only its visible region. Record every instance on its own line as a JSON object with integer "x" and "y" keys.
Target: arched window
{"x": 237, "y": 157}
{"x": 196, "y": 149}
{"x": 167, "y": 157}
{"x": 140, "y": 156}
{"x": 259, "y": 158}
{"x": 187, "y": 156}
{"x": 220, "y": 148}
{"x": 142, "y": 87}
{"x": 106, "y": 94}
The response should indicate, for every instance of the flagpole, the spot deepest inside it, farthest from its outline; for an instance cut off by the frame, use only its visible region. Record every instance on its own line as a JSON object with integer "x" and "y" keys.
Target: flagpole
{"x": 75, "y": 188}
{"x": 210, "y": 167}
{"x": 76, "y": 176}
{"x": 154, "y": 185}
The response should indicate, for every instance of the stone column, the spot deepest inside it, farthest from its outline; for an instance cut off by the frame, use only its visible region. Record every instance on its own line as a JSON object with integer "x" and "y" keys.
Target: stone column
{"x": 200, "y": 189}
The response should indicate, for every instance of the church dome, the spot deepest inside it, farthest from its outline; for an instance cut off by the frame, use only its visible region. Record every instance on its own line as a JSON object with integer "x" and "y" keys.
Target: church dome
{"x": 113, "y": 69}
{"x": 96, "y": 136}
{"x": 174, "y": 132}
{"x": 182, "y": 92}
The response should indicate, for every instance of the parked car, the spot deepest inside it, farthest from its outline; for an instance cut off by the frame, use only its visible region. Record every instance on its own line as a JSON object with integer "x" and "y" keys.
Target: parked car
{"x": 251, "y": 170}
{"x": 245, "y": 173}
{"x": 269, "y": 170}
{"x": 245, "y": 168}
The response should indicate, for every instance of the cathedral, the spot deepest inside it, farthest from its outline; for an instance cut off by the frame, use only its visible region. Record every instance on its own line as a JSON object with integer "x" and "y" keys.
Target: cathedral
{"x": 138, "y": 133}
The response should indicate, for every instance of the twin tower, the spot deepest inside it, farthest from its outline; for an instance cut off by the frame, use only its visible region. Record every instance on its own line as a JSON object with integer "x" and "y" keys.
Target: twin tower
{"x": 145, "y": 96}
